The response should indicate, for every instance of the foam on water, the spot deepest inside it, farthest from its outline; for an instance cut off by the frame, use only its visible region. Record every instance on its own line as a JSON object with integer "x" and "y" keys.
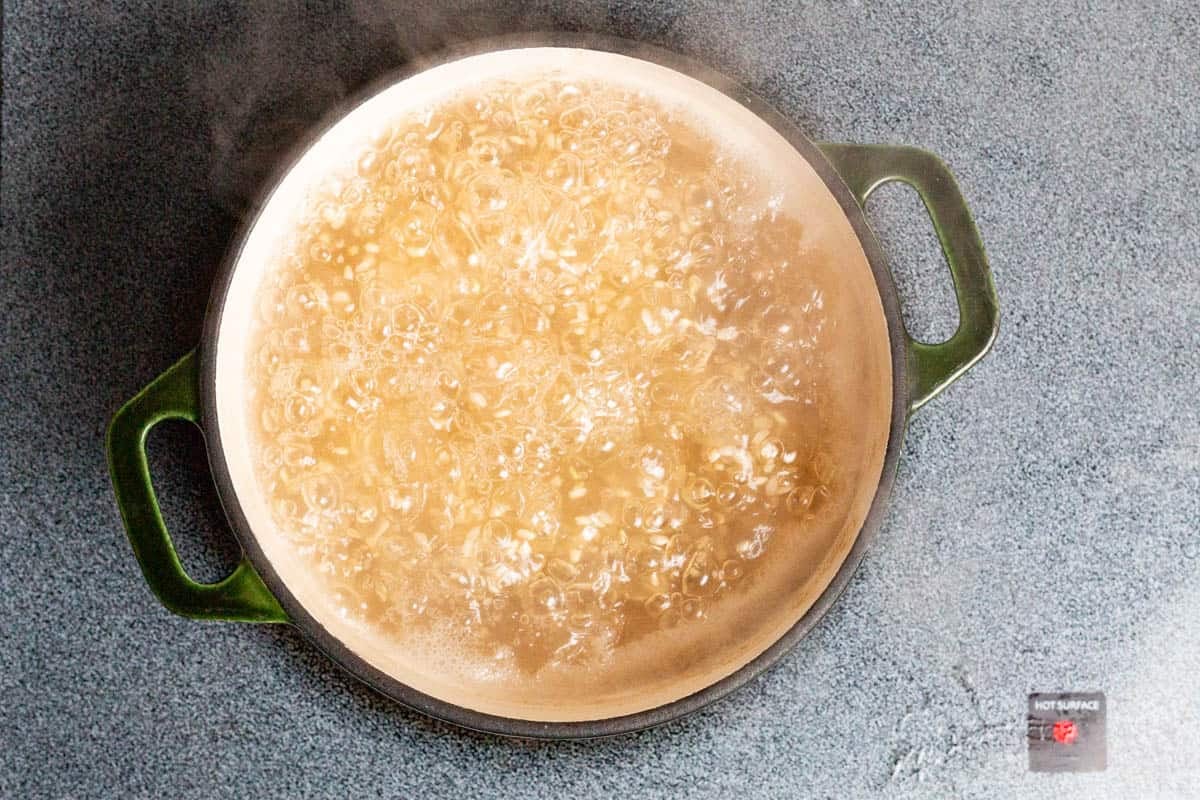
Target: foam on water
{"x": 539, "y": 374}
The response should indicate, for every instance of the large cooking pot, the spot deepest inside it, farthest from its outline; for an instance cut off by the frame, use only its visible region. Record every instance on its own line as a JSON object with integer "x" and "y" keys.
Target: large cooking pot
{"x": 206, "y": 387}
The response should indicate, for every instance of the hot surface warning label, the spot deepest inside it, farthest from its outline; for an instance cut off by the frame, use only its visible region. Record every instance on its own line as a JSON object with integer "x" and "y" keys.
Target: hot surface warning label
{"x": 1066, "y": 732}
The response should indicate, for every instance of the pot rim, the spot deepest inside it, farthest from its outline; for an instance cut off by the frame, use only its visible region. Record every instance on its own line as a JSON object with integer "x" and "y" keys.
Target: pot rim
{"x": 628, "y": 723}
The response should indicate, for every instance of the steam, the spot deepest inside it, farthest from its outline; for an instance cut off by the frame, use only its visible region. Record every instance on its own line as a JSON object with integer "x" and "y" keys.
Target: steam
{"x": 272, "y": 86}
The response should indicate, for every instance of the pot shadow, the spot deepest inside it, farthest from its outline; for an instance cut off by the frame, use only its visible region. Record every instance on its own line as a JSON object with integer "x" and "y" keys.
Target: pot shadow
{"x": 147, "y": 183}
{"x": 329, "y": 680}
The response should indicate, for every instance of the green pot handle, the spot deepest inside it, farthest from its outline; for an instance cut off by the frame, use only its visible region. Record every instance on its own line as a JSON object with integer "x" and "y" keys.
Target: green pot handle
{"x": 933, "y": 366}
{"x": 241, "y": 597}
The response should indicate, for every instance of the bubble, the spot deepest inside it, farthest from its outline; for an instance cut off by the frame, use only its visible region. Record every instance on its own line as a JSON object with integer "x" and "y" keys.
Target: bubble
{"x": 486, "y": 150}
{"x": 671, "y": 617}
{"x": 622, "y": 143}
{"x": 368, "y": 163}
{"x": 413, "y": 163}
{"x": 455, "y": 244}
{"x": 728, "y": 495}
{"x": 703, "y": 251}
{"x": 653, "y": 463}
{"x": 700, "y": 493}
{"x": 781, "y": 483}
{"x": 397, "y": 381}
{"x": 692, "y": 609}
{"x": 658, "y": 604}
{"x": 320, "y": 252}
{"x": 755, "y": 544}
{"x": 690, "y": 351}
{"x": 567, "y": 224}
{"x": 284, "y": 508}
{"x": 565, "y": 171}
{"x": 298, "y": 455}
{"x": 546, "y": 594}
{"x": 562, "y": 570}
{"x": 577, "y": 118}
{"x": 416, "y": 235}
{"x": 489, "y": 193}
{"x": 300, "y": 410}
{"x": 701, "y": 576}
{"x": 296, "y": 341}
{"x": 482, "y": 107}
{"x": 320, "y": 492}
{"x": 654, "y": 517}
{"x": 269, "y": 358}
{"x": 406, "y": 501}
{"x": 770, "y": 450}
{"x": 544, "y": 522}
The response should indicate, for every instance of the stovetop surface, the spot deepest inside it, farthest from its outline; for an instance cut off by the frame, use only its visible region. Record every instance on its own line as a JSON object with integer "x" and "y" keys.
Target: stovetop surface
{"x": 1042, "y": 536}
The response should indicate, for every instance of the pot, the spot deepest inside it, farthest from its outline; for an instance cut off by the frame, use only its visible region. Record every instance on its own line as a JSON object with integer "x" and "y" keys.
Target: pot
{"x": 205, "y": 386}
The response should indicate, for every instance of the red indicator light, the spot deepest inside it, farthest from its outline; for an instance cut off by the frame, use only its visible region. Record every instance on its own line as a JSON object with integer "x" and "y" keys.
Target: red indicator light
{"x": 1065, "y": 732}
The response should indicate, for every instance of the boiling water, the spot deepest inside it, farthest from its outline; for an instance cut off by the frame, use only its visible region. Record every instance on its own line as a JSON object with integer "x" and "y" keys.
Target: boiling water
{"x": 540, "y": 371}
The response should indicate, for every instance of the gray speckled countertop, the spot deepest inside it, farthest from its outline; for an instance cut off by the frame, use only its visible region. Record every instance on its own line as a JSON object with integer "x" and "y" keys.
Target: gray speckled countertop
{"x": 1043, "y": 533}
